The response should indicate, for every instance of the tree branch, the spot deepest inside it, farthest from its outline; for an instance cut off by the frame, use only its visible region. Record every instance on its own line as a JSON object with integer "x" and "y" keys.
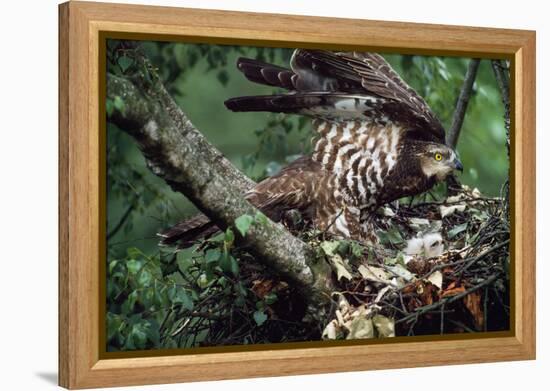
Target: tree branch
{"x": 121, "y": 221}
{"x": 177, "y": 152}
{"x": 462, "y": 103}
{"x": 502, "y": 75}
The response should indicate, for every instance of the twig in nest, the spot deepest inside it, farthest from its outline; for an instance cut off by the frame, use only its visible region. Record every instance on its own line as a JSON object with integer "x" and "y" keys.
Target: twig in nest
{"x": 480, "y": 256}
{"x": 446, "y": 300}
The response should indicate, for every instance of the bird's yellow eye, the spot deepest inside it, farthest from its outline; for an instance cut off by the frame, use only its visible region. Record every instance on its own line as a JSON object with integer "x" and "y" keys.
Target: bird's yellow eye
{"x": 438, "y": 156}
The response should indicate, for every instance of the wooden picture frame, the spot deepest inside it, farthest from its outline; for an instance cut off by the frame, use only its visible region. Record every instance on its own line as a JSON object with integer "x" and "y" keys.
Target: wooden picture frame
{"x": 81, "y": 161}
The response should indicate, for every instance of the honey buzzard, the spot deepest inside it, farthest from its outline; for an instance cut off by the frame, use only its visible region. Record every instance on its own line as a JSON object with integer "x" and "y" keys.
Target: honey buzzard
{"x": 376, "y": 141}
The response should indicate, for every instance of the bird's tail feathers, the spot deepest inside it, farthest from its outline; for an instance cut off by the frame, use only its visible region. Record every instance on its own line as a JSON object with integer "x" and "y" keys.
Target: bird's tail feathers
{"x": 263, "y": 73}
{"x": 318, "y": 104}
{"x": 185, "y": 233}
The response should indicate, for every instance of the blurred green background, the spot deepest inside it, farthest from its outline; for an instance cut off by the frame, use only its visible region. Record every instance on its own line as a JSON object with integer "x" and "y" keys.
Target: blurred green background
{"x": 201, "y": 77}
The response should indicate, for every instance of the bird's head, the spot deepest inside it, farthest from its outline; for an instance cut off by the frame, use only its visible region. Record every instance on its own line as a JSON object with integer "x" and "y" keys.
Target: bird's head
{"x": 438, "y": 160}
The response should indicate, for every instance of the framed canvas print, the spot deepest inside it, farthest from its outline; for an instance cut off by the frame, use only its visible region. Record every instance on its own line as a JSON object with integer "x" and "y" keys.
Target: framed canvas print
{"x": 248, "y": 195}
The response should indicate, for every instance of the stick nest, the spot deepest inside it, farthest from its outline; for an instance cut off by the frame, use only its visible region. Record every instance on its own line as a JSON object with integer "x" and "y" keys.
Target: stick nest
{"x": 439, "y": 267}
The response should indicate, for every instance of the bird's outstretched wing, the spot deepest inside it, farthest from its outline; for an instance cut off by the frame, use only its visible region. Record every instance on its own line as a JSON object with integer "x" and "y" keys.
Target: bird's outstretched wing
{"x": 291, "y": 188}
{"x": 340, "y": 85}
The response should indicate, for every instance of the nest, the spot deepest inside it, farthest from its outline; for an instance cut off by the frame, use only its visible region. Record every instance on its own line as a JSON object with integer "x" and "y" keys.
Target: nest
{"x": 439, "y": 267}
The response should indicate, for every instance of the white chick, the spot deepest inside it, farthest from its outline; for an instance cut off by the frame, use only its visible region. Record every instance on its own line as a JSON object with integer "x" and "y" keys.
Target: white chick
{"x": 429, "y": 246}
{"x": 433, "y": 245}
{"x": 415, "y": 246}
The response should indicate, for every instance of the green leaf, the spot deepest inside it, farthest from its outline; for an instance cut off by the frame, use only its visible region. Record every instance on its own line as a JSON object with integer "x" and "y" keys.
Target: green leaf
{"x": 114, "y": 323}
{"x": 168, "y": 268}
{"x": 183, "y": 260}
{"x": 356, "y": 249}
{"x": 172, "y": 292}
{"x": 395, "y": 236}
{"x": 217, "y": 238}
{"x": 234, "y": 266}
{"x": 260, "y": 317}
{"x": 229, "y": 236}
{"x": 456, "y": 230}
{"x": 330, "y": 247}
{"x": 128, "y": 305}
{"x": 133, "y": 266}
{"x": 400, "y": 259}
{"x": 243, "y": 224}
{"x": 153, "y": 332}
{"x": 109, "y": 107}
{"x": 133, "y": 252}
{"x": 202, "y": 281}
{"x": 183, "y": 298}
{"x": 147, "y": 297}
{"x": 145, "y": 278}
{"x": 260, "y": 218}
{"x": 229, "y": 264}
{"x": 118, "y": 103}
{"x": 391, "y": 236}
{"x": 212, "y": 255}
{"x": 139, "y": 335}
{"x": 112, "y": 265}
{"x": 270, "y": 298}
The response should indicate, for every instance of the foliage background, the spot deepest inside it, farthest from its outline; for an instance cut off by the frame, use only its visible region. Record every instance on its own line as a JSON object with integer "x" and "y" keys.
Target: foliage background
{"x": 140, "y": 290}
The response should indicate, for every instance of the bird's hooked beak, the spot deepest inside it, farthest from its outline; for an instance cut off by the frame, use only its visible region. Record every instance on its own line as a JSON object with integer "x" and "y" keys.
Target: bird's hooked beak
{"x": 458, "y": 164}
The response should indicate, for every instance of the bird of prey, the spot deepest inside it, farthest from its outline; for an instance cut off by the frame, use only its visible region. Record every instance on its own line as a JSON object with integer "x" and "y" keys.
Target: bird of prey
{"x": 376, "y": 141}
